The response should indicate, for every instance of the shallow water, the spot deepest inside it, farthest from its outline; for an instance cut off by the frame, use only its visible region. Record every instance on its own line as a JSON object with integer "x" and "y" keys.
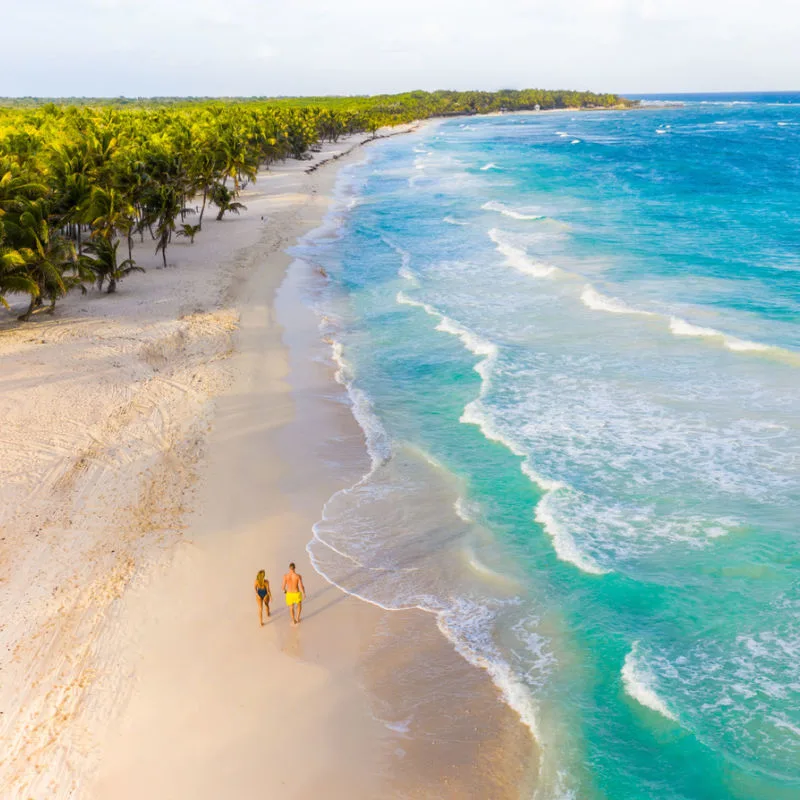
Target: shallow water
{"x": 572, "y": 341}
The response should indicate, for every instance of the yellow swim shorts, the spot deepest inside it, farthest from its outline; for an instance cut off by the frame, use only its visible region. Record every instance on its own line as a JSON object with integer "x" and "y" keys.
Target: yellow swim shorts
{"x": 292, "y": 598}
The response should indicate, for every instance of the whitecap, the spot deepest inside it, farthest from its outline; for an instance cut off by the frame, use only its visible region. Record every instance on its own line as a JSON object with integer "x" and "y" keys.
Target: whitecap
{"x": 593, "y": 299}
{"x": 377, "y": 440}
{"x": 518, "y": 258}
{"x": 490, "y": 165}
{"x": 680, "y": 327}
{"x": 639, "y": 681}
{"x": 493, "y": 205}
{"x": 575, "y": 141}
{"x": 452, "y": 221}
{"x": 563, "y": 542}
{"x": 406, "y": 274}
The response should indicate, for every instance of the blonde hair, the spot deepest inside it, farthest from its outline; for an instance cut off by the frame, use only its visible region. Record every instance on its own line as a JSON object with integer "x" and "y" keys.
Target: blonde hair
{"x": 261, "y": 578}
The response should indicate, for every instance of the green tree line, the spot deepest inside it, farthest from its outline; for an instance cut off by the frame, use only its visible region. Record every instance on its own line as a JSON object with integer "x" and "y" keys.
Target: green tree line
{"x": 81, "y": 180}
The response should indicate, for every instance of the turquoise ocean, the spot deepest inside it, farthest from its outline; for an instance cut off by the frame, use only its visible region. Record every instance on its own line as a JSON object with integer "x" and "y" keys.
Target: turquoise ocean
{"x": 573, "y": 343}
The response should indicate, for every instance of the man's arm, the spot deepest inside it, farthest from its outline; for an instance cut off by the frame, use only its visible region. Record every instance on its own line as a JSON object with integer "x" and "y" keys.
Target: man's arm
{"x": 284, "y": 584}
{"x": 300, "y": 585}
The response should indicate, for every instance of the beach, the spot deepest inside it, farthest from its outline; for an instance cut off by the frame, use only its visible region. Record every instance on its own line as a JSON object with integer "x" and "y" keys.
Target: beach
{"x": 159, "y": 447}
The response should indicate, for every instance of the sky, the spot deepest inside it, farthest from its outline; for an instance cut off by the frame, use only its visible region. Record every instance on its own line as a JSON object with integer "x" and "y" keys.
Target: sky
{"x": 136, "y": 48}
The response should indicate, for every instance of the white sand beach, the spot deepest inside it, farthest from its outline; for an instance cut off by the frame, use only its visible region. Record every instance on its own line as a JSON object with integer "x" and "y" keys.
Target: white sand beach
{"x": 158, "y": 447}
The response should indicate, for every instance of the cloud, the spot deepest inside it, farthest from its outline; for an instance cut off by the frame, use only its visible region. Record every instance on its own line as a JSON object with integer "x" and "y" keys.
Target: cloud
{"x": 264, "y": 47}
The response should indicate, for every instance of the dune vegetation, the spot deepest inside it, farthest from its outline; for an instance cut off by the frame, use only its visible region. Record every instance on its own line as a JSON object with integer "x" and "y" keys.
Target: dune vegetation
{"x": 81, "y": 179}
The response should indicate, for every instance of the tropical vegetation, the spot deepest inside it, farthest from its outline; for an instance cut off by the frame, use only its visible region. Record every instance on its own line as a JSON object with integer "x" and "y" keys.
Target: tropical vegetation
{"x": 80, "y": 178}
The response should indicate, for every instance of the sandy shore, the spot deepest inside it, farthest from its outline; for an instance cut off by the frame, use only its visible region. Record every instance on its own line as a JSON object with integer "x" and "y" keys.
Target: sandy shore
{"x": 158, "y": 448}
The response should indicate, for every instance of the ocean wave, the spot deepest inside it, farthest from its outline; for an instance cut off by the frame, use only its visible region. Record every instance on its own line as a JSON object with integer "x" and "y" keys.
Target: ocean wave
{"x": 404, "y": 300}
{"x": 493, "y": 205}
{"x": 680, "y": 327}
{"x": 405, "y": 270}
{"x": 563, "y": 542}
{"x": 408, "y": 275}
{"x": 474, "y": 343}
{"x": 452, "y": 221}
{"x": 474, "y": 414}
{"x": 638, "y": 682}
{"x": 377, "y": 440}
{"x": 467, "y": 627}
{"x": 490, "y": 165}
{"x": 575, "y": 141}
{"x": 518, "y": 258}
{"x": 596, "y": 301}
{"x": 593, "y": 299}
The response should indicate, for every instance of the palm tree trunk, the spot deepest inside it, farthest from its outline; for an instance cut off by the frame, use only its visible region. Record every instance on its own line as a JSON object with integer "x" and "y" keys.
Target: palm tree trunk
{"x": 130, "y": 246}
{"x": 27, "y": 315}
{"x": 203, "y": 209}
{"x": 112, "y": 285}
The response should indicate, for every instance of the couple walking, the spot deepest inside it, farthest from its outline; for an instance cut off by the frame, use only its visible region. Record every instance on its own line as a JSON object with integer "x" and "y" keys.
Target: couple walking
{"x": 292, "y": 587}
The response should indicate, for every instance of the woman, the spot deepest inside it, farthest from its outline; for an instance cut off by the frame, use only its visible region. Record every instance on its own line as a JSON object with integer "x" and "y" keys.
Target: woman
{"x": 263, "y": 594}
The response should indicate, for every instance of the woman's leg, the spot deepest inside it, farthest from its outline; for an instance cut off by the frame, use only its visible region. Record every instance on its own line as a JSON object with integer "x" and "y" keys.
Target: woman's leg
{"x": 260, "y": 602}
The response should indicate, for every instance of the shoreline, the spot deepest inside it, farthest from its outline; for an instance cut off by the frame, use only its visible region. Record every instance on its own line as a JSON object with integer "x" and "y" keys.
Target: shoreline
{"x": 168, "y": 608}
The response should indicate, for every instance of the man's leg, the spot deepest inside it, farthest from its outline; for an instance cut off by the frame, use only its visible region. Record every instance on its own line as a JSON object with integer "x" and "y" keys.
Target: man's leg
{"x": 299, "y": 610}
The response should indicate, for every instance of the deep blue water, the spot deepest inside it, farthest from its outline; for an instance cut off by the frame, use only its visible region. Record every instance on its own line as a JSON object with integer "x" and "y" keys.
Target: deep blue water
{"x": 573, "y": 341}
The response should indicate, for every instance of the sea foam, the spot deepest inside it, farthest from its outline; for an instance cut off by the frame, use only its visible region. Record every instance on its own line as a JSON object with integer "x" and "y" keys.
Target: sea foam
{"x": 493, "y": 205}
{"x": 378, "y": 445}
{"x": 593, "y": 299}
{"x": 596, "y": 301}
{"x": 638, "y": 682}
{"x": 518, "y": 258}
{"x": 680, "y": 327}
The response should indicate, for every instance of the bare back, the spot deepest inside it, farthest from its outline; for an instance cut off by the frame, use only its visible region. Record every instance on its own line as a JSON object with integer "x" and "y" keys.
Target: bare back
{"x": 291, "y": 582}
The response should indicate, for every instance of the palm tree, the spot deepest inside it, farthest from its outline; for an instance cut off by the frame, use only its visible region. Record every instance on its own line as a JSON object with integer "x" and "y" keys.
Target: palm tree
{"x": 103, "y": 263}
{"x": 68, "y": 176}
{"x": 168, "y": 208}
{"x": 14, "y": 277}
{"x": 50, "y": 258}
{"x": 223, "y": 199}
{"x": 109, "y": 212}
{"x": 189, "y": 231}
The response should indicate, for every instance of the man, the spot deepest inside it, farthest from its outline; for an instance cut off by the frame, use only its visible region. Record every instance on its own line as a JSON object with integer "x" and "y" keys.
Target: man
{"x": 295, "y": 592}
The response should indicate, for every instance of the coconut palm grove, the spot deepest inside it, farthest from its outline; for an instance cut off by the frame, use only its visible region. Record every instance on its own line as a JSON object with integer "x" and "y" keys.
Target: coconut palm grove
{"x": 81, "y": 180}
